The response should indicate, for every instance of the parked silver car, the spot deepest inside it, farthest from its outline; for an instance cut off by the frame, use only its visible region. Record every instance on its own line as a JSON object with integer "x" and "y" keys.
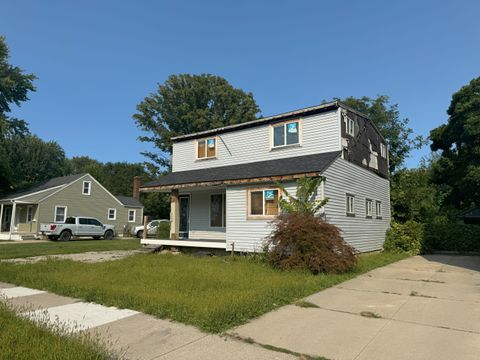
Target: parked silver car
{"x": 152, "y": 228}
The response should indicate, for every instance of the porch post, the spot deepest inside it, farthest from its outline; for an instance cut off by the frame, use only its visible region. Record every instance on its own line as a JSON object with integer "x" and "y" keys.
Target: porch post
{"x": 1, "y": 217}
{"x": 12, "y": 219}
{"x": 174, "y": 215}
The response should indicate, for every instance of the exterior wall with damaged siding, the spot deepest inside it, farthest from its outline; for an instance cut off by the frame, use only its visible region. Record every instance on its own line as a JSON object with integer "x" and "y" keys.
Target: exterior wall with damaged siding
{"x": 365, "y": 234}
{"x": 320, "y": 133}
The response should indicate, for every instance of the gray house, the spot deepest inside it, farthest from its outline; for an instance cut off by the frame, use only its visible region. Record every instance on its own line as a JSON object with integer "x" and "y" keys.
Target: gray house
{"x": 76, "y": 195}
{"x": 222, "y": 184}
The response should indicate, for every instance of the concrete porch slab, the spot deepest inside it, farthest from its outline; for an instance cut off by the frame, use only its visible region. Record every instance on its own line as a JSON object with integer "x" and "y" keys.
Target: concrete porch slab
{"x": 6, "y": 285}
{"x": 316, "y": 332}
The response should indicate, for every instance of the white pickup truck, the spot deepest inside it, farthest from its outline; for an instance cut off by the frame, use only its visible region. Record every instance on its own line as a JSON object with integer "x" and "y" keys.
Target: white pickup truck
{"x": 77, "y": 226}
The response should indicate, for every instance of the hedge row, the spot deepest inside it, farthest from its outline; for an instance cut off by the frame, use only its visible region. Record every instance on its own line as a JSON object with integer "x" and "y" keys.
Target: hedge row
{"x": 415, "y": 238}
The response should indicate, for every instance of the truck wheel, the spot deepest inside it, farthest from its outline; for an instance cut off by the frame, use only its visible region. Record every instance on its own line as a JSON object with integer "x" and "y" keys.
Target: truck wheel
{"x": 65, "y": 236}
{"x": 108, "y": 235}
{"x": 140, "y": 234}
{"x": 52, "y": 237}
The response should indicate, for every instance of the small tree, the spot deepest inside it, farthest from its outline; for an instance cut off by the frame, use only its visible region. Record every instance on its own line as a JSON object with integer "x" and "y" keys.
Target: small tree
{"x": 305, "y": 202}
{"x": 301, "y": 239}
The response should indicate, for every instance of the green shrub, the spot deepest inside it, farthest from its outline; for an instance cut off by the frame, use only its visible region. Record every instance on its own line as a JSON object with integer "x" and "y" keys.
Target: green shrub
{"x": 449, "y": 236}
{"x": 163, "y": 230}
{"x": 302, "y": 241}
{"x": 405, "y": 238}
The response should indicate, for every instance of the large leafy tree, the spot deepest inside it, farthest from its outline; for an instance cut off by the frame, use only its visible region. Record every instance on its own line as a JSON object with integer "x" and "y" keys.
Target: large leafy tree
{"x": 396, "y": 131}
{"x": 33, "y": 161}
{"x": 458, "y": 142}
{"x": 15, "y": 85}
{"x": 190, "y": 103}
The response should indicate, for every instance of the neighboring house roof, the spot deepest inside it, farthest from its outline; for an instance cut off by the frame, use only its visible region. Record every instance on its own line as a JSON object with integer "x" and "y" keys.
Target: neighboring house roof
{"x": 260, "y": 169}
{"x": 49, "y": 184}
{"x": 129, "y": 201}
{"x": 284, "y": 116}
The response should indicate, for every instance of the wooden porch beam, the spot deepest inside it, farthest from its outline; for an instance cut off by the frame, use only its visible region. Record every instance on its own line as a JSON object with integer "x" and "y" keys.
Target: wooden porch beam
{"x": 229, "y": 182}
{"x": 174, "y": 215}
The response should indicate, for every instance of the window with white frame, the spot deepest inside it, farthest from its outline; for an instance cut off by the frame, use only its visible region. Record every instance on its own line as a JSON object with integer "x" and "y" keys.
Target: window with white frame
{"x": 368, "y": 208}
{"x": 87, "y": 187}
{"x": 378, "y": 209}
{"x": 131, "y": 215}
{"x": 217, "y": 210}
{"x": 112, "y": 214}
{"x": 263, "y": 203}
{"x": 350, "y": 127}
{"x": 383, "y": 150}
{"x": 60, "y": 213}
{"x": 350, "y": 204}
{"x": 207, "y": 148}
{"x": 286, "y": 134}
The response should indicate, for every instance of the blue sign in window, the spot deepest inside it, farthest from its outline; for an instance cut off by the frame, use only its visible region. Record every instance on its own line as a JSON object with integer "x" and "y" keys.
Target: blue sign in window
{"x": 292, "y": 127}
{"x": 269, "y": 194}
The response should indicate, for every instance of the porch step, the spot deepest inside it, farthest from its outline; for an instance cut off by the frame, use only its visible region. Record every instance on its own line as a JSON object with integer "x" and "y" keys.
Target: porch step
{"x": 29, "y": 237}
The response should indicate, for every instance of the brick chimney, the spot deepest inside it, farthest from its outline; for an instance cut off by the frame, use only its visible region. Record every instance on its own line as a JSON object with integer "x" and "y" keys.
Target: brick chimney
{"x": 136, "y": 187}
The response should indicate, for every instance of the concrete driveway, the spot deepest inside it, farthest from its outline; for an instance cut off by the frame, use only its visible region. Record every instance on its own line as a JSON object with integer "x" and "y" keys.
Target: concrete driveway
{"x": 424, "y": 307}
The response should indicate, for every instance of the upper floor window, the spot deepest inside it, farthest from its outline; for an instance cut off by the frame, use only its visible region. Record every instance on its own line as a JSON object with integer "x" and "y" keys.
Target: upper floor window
{"x": 263, "y": 203}
{"x": 350, "y": 205}
{"x": 286, "y": 134}
{"x": 368, "y": 208}
{"x": 350, "y": 127}
{"x": 378, "y": 209}
{"x": 87, "y": 187}
{"x": 383, "y": 150}
{"x": 207, "y": 148}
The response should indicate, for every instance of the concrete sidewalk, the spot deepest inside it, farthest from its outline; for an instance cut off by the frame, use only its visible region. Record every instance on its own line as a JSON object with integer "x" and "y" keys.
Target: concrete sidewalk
{"x": 134, "y": 334}
{"x": 424, "y": 307}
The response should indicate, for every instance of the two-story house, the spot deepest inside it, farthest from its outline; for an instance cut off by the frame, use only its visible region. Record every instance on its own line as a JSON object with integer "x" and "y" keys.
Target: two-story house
{"x": 222, "y": 184}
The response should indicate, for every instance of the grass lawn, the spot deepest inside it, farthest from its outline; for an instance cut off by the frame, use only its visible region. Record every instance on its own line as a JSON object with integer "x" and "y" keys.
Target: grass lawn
{"x": 19, "y": 250}
{"x": 212, "y": 293}
{"x": 21, "y": 339}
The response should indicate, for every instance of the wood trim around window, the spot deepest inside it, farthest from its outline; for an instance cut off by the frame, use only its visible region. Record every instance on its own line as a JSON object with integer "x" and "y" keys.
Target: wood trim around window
{"x": 206, "y": 149}
{"x": 300, "y": 134}
{"x": 260, "y": 217}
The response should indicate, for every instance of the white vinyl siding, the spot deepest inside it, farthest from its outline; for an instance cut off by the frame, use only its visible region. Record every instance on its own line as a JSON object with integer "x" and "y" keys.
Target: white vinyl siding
{"x": 248, "y": 235}
{"x": 359, "y": 231}
{"x": 319, "y": 133}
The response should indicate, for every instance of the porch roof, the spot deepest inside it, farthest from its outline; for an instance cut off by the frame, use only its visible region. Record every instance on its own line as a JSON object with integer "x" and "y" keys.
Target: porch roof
{"x": 249, "y": 172}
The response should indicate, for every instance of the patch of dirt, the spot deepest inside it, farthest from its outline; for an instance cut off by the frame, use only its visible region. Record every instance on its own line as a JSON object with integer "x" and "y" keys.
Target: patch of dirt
{"x": 86, "y": 257}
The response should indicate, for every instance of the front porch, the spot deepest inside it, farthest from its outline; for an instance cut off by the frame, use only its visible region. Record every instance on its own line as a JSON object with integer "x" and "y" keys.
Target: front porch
{"x": 197, "y": 219}
{"x": 18, "y": 220}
